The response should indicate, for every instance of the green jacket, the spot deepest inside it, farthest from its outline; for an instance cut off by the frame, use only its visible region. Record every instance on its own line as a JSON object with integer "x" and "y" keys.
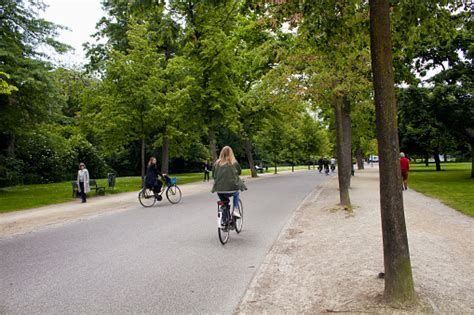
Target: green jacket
{"x": 226, "y": 178}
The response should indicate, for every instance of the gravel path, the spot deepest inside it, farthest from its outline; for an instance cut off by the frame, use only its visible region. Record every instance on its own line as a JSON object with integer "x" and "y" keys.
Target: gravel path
{"x": 327, "y": 260}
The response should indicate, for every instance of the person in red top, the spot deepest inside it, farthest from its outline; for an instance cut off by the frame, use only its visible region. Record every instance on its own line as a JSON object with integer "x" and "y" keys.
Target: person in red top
{"x": 405, "y": 167}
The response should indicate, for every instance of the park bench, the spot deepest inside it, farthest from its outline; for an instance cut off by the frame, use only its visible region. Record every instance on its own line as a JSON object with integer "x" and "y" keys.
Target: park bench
{"x": 93, "y": 186}
{"x": 261, "y": 169}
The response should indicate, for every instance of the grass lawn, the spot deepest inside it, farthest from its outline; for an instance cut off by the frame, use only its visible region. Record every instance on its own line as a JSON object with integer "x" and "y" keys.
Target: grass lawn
{"x": 453, "y": 185}
{"x": 31, "y": 196}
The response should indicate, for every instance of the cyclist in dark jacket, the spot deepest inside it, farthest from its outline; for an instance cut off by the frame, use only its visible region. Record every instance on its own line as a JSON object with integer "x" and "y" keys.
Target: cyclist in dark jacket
{"x": 152, "y": 173}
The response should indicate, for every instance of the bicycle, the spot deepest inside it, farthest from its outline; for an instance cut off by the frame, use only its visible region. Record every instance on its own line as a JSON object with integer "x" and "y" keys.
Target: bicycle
{"x": 147, "y": 197}
{"x": 227, "y": 222}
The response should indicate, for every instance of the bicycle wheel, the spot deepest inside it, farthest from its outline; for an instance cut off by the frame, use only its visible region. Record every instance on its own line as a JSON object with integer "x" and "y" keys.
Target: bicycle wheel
{"x": 239, "y": 222}
{"x": 146, "y": 197}
{"x": 223, "y": 234}
{"x": 173, "y": 193}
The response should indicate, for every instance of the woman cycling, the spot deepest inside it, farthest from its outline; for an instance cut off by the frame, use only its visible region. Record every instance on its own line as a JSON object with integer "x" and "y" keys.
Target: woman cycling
{"x": 227, "y": 182}
{"x": 152, "y": 173}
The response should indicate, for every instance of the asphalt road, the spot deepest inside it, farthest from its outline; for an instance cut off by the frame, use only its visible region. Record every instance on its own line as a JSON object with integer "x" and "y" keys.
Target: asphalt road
{"x": 165, "y": 259}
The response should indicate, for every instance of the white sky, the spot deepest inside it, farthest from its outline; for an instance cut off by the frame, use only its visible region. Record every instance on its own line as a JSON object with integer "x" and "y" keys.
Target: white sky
{"x": 80, "y": 16}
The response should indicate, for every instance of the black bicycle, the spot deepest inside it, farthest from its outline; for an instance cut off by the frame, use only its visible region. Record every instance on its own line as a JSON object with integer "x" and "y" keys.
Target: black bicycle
{"x": 148, "y": 197}
{"x": 226, "y": 221}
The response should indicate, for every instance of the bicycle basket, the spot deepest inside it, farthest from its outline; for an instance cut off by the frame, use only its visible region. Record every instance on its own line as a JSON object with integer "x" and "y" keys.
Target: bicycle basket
{"x": 171, "y": 181}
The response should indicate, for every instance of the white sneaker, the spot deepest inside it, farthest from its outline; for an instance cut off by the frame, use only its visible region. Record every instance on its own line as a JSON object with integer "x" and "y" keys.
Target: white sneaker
{"x": 236, "y": 213}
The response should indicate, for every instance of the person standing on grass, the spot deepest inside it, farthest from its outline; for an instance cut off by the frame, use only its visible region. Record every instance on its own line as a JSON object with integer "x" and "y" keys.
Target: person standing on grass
{"x": 83, "y": 181}
{"x": 207, "y": 169}
{"x": 405, "y": 167}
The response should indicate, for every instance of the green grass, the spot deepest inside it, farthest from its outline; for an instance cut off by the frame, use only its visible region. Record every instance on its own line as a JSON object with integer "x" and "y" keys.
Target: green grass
{"x": 31, "y": 196}
{"x": 453, "y": 185}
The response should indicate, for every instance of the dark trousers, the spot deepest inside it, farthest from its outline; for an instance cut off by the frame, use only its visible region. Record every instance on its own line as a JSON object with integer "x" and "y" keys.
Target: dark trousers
{"x": 82, "y": 192}
{"x": 206, "y": 175}
{"x": 155, "y": 187}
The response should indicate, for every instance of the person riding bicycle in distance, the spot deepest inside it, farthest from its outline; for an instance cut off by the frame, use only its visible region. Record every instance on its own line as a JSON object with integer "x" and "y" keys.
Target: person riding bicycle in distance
{"x": 227, "y": 181}
{"x": 151, "y": 179}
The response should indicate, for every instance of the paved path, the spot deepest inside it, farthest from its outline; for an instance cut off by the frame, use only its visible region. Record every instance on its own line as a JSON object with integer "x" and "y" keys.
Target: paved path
{"x": 165, "y": 259}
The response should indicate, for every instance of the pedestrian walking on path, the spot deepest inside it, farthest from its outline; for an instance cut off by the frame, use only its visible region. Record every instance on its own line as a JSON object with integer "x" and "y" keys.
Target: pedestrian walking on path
{"x": 207, "y": 169}
{"x": 405, "y": 167}
{"x": 83, "y": 182}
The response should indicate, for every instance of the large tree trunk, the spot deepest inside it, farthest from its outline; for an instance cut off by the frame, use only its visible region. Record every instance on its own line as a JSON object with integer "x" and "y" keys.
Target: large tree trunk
{"x": 248, "y": 153}
{"x": 343, "y": 147}
{"x": 211, "y": 137}
{"x": 142, "y": 157}
{"x": 399, "y": 287}
{"x": 437, "y": 160}
{"x": 359, "y": 158}
{"x": 165, "y": 151}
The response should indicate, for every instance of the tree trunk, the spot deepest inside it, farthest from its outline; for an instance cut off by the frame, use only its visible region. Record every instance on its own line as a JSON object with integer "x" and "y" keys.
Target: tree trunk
{"x": 165, "y": 154}
{"x": 399, "y": 287}
{"x": 343, "y": 146}
{"x": 359, "y": 158}
{"x": 211, "y": 137}
{"x": 427, "y": 160}
{"x": 436, "y": 158}
{"x": 309, "y": 163}
{"x": 11, "y": 146}
{"x": 275, "y": 162}
{"x": 248, "y": 153}
{"x": 142, "y": 156}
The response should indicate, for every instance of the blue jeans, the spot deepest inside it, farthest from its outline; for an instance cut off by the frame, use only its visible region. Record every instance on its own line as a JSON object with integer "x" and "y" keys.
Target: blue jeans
{"x": 225, "y": 197}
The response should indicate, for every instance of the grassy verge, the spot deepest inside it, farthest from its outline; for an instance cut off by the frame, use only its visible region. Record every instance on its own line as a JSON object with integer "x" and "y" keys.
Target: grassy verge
{"x": 31, "y": 196}
{"x": 453, "y": 185}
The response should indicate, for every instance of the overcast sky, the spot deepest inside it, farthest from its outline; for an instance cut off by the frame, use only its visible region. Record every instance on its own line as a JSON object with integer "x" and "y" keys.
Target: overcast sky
{"x": 80, "y": 16}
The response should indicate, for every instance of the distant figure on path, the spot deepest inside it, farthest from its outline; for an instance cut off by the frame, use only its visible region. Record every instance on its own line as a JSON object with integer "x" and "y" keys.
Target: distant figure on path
{"x": 333, "y": 164}
{"x": 207, "y": 169}
{"x": 152, "y": 173}
{"x": 326, "y": 165}
{"x": 83, "y": 181}
{"x": 320, "y": 164}
{"x": 405, "y": 167}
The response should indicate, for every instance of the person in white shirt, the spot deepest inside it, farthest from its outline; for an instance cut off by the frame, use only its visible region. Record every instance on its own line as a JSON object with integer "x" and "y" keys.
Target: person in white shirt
{"x": 83, "y": 181}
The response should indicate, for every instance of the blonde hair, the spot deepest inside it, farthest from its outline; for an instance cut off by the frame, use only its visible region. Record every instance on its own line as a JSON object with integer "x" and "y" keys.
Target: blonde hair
{"x": 226, "y": 157}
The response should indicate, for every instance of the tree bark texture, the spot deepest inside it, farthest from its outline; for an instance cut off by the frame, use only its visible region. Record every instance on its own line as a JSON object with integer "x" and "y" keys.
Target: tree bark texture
{"x": 359, "y": 158}
{"x": 165, "y": 154}
{"x": 399, "y": 287}
{"x": 248, "y": 153}
{"x": 343, "y": 147}
{"x": 211, "y": 137}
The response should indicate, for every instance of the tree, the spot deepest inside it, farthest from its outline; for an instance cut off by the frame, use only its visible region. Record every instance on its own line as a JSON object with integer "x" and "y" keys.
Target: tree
{"x": 210, "y": 48}
{"x": 133, "y": 86}
{"x": 399, "y": 286}
{"x": 25, "y": 81}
